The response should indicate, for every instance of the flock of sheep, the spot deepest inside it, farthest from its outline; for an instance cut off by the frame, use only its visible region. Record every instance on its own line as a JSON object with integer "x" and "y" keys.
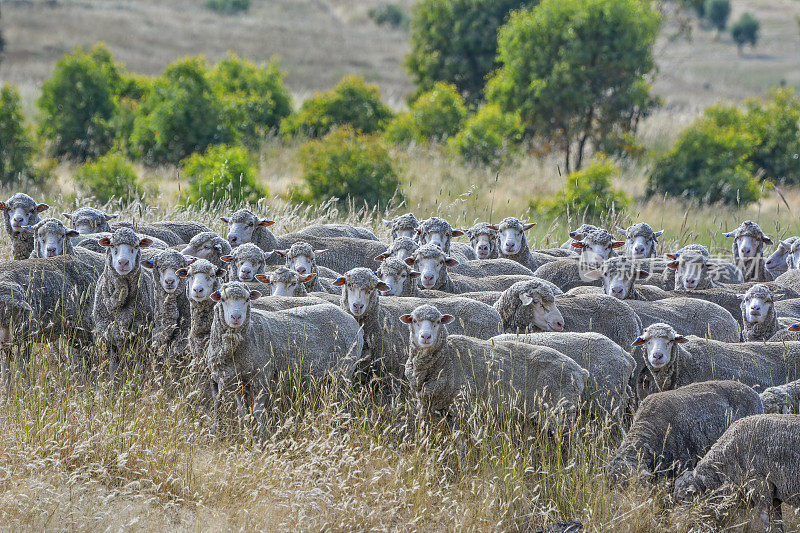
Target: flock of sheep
{"x": 695, "y": 356}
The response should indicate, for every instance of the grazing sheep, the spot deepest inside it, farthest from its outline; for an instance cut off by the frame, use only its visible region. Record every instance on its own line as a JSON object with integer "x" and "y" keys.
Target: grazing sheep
{"x": 123, "y": 304}
{"x": 600, "y": 314}
{"x": 619, "y": 275}
{"x": 252, "y": 353}
{"x": 403, "y": 226}
{"x": 339, "y": 230}
{"x": 692, "y": 316}
{"x": 51, "y": 238}
{"x": 88, "y": 220}
{"x": 171, "y": 306}
{"x": 671, "y": 430}
{"x": 399, "y": 277}
{"x": 789, "y": 279}
{"x": 529, "y": 306}
{"x": 247, "y": 227}
{"x": 185, "y": 229}
{"x": 343, "y": 253}
{"x": 19, "y": 211}
{"x": 610, "y": 367}
{"x": 783, "y": 399}
{"x": 758, "y": 313}
{"x": 595, "y": 247}
{"x": 761, "y": 453}
{"x": 442, "y": 368}
{"x": 483, "y": 239}
{"x": 512, "y": 243}
{"x": 640, "y": 240}
{"x": 577, "y": 235}
{"x": 675, "y": 360}
{"x": 209, "y": 246}
{"x": 482, "y": 268}
{"x": 302, "y": 258}
{"x": 748, "y": 251}
{"x": 438, "y": 231}
{"x": 283, "y": 281}
{"x": 402, "y": 248}
{"x": 246, "y": 261}
{"x": 778, "y": 262}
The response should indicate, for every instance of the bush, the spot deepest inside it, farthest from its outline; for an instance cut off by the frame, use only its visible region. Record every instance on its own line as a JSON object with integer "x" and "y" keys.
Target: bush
{"x": 774, "y": 123}
{"x": 16, "y": 144}
{"x": 228, "y": 7}
{"x": 351, "y": 103}
{"x": 745, "y": 31}
{"x": 717, "y": 12}
{"x": 709, "y": 164}
{"x": 588, "y": 193}
{"x": 223, "y": 173}
{"x": 488, "y": 137}
{"x": 434, "y": 116}
{"x": 78, "y": 104}
{"x": 255, "y": 98}
{"x": 181, "y": 115}
{"x": 390, "y": 14}
{"x": 109, "y": 177}
{"x": 348, "y": 165}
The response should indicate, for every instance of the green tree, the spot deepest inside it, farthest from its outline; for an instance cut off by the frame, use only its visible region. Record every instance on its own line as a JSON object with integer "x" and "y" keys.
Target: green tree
{"x": 745, "y": 31}
{"x": 351, "y": 103}
{"x": 228, "y": 7}
{"x": 434, "y": 116}
{"x": 455, "y": 41}
{"x": 109, "y": 177}
{"x": 223, "y": 174}
{"x": 393, "y": 15}
{"x": 774, "y": 123}
{"x": 718, "y": 12}
{"x": 78, "y": 104}
{"x": 16, "y": 144}
{"x": 347, "y": 165}
{"x": 181, "y": 115}
{"x": 255, "y": 98}
{"x": 576, "y": 70}
{"x": 488, "y": 137}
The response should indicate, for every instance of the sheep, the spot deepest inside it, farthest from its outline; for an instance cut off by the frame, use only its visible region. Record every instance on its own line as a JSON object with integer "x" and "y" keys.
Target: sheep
{"x": 600, "y": 314}
{"x": 247, "y": 227}
{"x": 674, "y": 360}
{"x": 512, "y": 244}
{"x": 442, "y": 367}
{"x": 789, "y": 279}
{"x": 51, "y": 238}
{"x": 19, "y": 211}
{"x": 761, "y": 453}
{"x": 748, "y": 249}
{"x": 251, "y": 352}
{"x": 123, "y": 303}
{"x": 158, "y": 232}
{"x": 283, "y": 281}
{"x": 483, "y": 239}
{"x": 482, "y": 268}
{"x": 619, "y": 275}
{"x": 401, "y": 248}
{"x": 343, "y": 253}
{"x": 246, "y": 261}
{"x": 783, "y": 399}
{"x": 282, "y": 303}
{"x": 402, "y": 226}
{"x": 577, "y": 235}
{"x": 438, "y": 231}
{"x": 171, "y": 306}
{"x": 640, "y": 240}
{"x": 185, "y": 229}
{"x": 758, "y": 313}
{"x": 400, "y": 279}
{"x": 529, "y": 306}
{"x": 595, "y": 247}
{"x": 88, "y": 220}
{"x": 691, "y": 316}
{"x": 610, "y": 367}
{"x": 209, "y": 246}
{"x": 671, "y": 430}
{"x": 778, "y": 262}
{"x": 302, "y": 258}
{"x": 339, "y": 230}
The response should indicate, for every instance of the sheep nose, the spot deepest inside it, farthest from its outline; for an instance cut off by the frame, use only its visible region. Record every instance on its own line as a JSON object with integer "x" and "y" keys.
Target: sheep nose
{"x": 428, "y": 277}
{"x": 639, "y": 250}
{"x": 426, "y": 337}
{"x": 232, "y": 239}
{"x": 236, "y": 317}
{"x": 483, "y": 248}
{"x": 558, "y": 325}
{"x": 755, "y": 308}
{"x": 124, "y": 262}
{"x": 616, "y": 290}
{"x": 658, "y": 356}
{"x": 51, "y": 251}
{"x": 169, "y": 282}
{"x": 198, "y": 290}
{"x": 746, "y": 251}
{"x": 301, "y": 270}
{"x": 690, "y": 281}
{"x": 19, "y": 220}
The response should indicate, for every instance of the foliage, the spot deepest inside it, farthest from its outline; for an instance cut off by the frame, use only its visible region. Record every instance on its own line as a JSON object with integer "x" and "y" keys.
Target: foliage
{"x": 255, "y": 98}
{"x": 588, "y": 193}
{"x": 228, "y": 7}
{"x": 16, "y": 145}
{"x": 222, "y": 173}
{"x": 717, "y": 12}
{"x": 775, "y": 124}
{"x": 351, "y": 103}
{"x": 109, "y": 177}
{"x": 78, "y": 104}
{"x": 576, "y": 70}
{"x": 393, "y": 15}
{"x": 708, "y": 163}
{"x": 745, "y": 31}
{"x": 455, "y": 41}
{"x": 434, "y": 116}
{"x": 346, "y": 164}
{"x": 488, "y": 137}
{"x": 181, "y": 115}
{"x": 699, "y": 6}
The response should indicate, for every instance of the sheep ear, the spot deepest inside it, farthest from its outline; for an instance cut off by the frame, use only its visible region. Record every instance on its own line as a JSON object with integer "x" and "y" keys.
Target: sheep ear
{"x": 220, "y": 272}
{"x": 617, "y": 244}
{"x": 658, "y": 234}
{"x": 623, "y": 231}
{"x": 309, "y": 277}
{"x": 216, "y": 296}
{"x": 446, "y": 319}
{"x": 674, "y": 256}
{"x": 673, "y": 264}
{"x": 406, "y": 319}
{"x": 191, "y": 260}
{"x": 281, "y": 253}
{"x": 4, "y": 206}
{"x": 641, "y": 274}
{"x": 450, "y": 262}
{"x": 778, "y": 296}
{"x": 265, "y": 222}
{"x": 148, "y": 263}
{"x": 794, "y": 327}
{"x": 338, "y": 282}
{"x": 72, "y": 233}
{"x": 29, "y": 229}
{"x": 493, "y": 227}
{"x": 182, "y": 272}
{"x": 226, "y": 258}
{"x": 410, "y": 261}
{"x": 638, "y": 342}
{"x": 318, "y": 253}
{"x": 110, "y": 217}
{"x": 254, "y": 294}
{"x": 381, "y": 286}
{"x": 680, "y": 339}
{"x": 68, "y": 216}
{"x": 457, "y": 233}
{"x": 415, "y": 274}
{"x": 263, "y": 278}
{"x": 577, "y": 244}
{"x": 379, "y": 258}
{"x": 767, "y": 240}
{"x": 729, "y": 234}
{"x": 146, "y": 242}
{"x": 526, "y": 227}
{"x": 42, "y": 207}
{"x": 526, "y": 298}
{"x": 104, "y": 241}
{"x": 225, "y": 220}
{"x": 418, "y": 231}
{"x": 593, "y": 274}
{"x": 387, "y": 223}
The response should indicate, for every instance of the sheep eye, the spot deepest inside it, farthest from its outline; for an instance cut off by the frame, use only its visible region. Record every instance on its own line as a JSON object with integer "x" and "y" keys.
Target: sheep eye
{"x": 292, "y": 284}
{"x": 250, "y": 225}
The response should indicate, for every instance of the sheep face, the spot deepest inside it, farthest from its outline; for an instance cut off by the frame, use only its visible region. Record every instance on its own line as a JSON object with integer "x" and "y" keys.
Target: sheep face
{"x": 123, "y": 250}
{"x": 776, "y": 400}
{"x": 426, "y": 325}
{"x": 792, "y": 258}
{"x": 243, "y": 224}
{"x": 619, "y": 275}
{"x": 685, "y": 487}
{"x": 431, "y": 265}
{"x": 748, "y": 240}
{"x": 304, "y": 264}
{"x": 208, "y": 246}
{"x": 757, "y": 304}
{"x": 691, "y": 269}
{"x": 202, "y": 280}
{"x": 168, "y": 266}
{"x": 438, "y": 232}
{"x": 778, "y": 260}
{"x": 21, "y": 210}
{"x": 359, "y": 288}
{"x": 402, "y": 248}
{"x": 395, "y": 273}
{"x": 659, "y": 341}
{"x": 483, "y": 239}
{"x": 246, "y": 261}
{"x": 50, "y": 237}
{"x": 640, "y": 240}
{"x": 511, "y": 234}
{"x": 235, "y": 302}
{"x": 285, "y": 282}
{"x": 596, "y": 247}
{"x": 90, "y": 220}
{"x": 403, "y": 226}
{"x": 545, "y": 314}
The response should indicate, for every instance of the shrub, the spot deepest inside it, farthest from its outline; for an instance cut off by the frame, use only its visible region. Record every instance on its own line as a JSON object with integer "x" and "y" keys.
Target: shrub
{"x": 222, "y": 173}
{"x": 77, "y": 104}
{"x": 434, "y": 116}
{"x": 16, "y": 144}
{"x": 228, "y": 7}
{"x": 348, "y": 165}
{"x": 717, "y": 12}
{"x": 109, "y": 177}
{"x": 745, "y": 31}
{"x": 255, "y": 98}
{"x": 709, "y": 164}
{"x": 390, "y": 14}
{"x": 774, "y": 123}
{"x": 588, "y": 193}
{"x": 488, "y": 137}
{"x": 351, "y": 103}
{"x": 181, "y": 115}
